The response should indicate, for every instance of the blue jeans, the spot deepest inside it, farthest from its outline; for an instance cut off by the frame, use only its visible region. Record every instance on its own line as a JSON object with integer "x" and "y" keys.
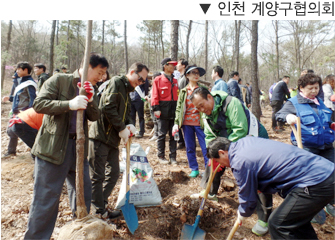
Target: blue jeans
{"x": 48, "y": 185}
{"x": 189, "y": 136}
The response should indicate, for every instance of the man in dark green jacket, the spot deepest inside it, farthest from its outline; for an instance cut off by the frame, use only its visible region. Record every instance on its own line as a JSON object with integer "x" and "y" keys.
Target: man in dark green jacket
{"x": 105, "y": 134}
{"x": 55, "y": 144}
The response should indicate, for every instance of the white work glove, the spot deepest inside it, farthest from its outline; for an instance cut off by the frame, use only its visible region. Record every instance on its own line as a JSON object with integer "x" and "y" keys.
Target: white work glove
{"x": 79, "y": 102}
{"x": 239, "y": 218}
{"x": 157, "y": 114}
{"x": 124, "y": 135}
{"x": 89, "y": 90}
{"x": 291, "y": 119}
{"x": 175, "y": 129}
{"x": 131, "y": 128}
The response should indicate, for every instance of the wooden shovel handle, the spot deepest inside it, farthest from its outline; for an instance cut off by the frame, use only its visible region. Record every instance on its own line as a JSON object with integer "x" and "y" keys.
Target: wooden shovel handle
{"x": 128, "y": 164}
{"x": 233, "y": 230}
{"x": 297, "y": 132}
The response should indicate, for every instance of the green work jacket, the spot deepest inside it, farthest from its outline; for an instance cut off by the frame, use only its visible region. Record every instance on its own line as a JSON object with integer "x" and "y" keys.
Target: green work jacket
{"x": 53, "y": 101}
{"x": 115, "y": 112}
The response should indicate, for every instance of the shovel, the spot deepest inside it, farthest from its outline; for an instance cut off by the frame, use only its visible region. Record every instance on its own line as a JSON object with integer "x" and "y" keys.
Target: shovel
{"x": 128, "y": 209}
{"x": 193, "y": 231}
{"x": 297, "y": 132}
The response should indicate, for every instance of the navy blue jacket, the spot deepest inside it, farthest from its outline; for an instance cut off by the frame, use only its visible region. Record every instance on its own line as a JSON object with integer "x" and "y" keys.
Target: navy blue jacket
{"x": 280, "y": 92}
{"x": 233, "y": 89}
{"x": 271, "y": 166}
{"x": 24, "y": 98}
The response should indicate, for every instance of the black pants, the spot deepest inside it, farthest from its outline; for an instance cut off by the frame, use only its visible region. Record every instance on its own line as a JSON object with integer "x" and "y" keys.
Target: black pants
{"x": 138, "y": 106}
{"x": 104, "y": 171}
{"x": 276, "y": 106}
{"x": 291, "y": 220}
{"x": 165, "y": 126}
{"x": 264, "y": 203}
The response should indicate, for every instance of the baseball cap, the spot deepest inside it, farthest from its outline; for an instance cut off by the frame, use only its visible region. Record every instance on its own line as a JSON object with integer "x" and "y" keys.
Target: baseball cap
{"x": 168, "y": 61}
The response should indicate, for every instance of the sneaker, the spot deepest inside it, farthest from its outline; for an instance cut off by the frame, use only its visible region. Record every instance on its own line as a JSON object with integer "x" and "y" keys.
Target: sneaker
{"x": 8, "y": 155}
{"x": 181, "y": 146}
{"x": 330, "y": 209}
{"x": 194, "y": 174}
{"x": 138, "y": 135}
{"x": 154, "y": 137}
{"x": 260, "y": 228}
{"x": 173, "y": 161}
{"x": 319, "y": 218}
{"x": 111, "y": 214}
{"x": 212, "y": 197}
{"x": 163, "y": 161}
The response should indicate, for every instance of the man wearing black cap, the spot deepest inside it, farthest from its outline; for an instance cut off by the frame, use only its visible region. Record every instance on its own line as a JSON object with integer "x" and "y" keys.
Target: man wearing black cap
{"x": 164, "y": 101}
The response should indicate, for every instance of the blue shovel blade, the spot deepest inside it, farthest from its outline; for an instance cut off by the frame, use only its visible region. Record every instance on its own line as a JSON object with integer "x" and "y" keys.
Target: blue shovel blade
{"x": 130, "y": 215}
{"x": 187, "y": 232}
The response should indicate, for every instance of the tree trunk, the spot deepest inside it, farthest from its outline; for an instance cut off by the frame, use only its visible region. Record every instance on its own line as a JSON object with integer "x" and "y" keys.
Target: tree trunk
{"x": 3, "y": 65}
{"x": 174, "y": 40}
{"x": 188, "y": 39}
{"x": 52, "y": 41}
{"x": 162, "y": 41}
{"x": 103, "y": 38}
{"x": 277, "y": 47}
{"x": 256, "y": 109}
{"x": 80, "y": 142}
{"x": 57, "y": 32}
{"x": 206, "y": 47}
{"x": 237, "y": 43}
{"x": 67, "y": 44}
{"x": 125, "y": 45}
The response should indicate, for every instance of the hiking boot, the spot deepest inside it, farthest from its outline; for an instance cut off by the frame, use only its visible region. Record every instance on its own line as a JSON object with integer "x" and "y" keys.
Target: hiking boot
{"x": 277, "y": 130}
{"x": 212, "y": 197}
{"x": 111, "y": 214}
{"x": 173, "y": 161}
{"x": 260, "y": 228}
{"x": 8, "y": 155}
{"x": 154, "y": 137}
{"x": 319, "y": 218}
{"x": 163, "y": 160}
{"x": 139, "y": 135}
{"x": 194, "y": 174}
{"x": 330, "y": 209}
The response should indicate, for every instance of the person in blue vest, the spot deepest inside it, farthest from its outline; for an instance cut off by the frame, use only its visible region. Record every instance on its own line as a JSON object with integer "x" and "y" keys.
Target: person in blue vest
{"x": 22, "y": 95}
{"x": 303, "y": 179}
{"x": 317, "y": 129}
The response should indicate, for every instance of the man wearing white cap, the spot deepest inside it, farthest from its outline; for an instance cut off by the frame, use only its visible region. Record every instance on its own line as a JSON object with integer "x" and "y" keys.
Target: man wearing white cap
{"x": 164, "y": 101}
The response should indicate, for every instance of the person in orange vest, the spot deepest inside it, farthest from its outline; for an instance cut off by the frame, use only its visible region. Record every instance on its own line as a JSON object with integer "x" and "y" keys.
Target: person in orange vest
{"x": 25, "y": 125}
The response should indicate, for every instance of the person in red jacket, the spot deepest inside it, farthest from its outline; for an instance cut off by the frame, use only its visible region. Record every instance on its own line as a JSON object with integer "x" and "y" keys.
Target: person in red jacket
{"x": 164, "y": 101}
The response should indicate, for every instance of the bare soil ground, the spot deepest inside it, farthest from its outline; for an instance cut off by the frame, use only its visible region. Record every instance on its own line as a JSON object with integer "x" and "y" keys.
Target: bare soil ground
{"x": 160, "y": 222}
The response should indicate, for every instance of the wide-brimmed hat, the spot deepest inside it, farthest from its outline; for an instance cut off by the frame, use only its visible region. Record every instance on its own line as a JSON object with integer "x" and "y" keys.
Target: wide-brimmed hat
{"x": 168, "y": 61}
{"x": 200, "y": 69}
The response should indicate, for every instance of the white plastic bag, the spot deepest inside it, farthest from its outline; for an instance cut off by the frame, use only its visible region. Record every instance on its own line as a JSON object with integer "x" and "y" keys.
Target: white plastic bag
{"x": 143, "y": 188}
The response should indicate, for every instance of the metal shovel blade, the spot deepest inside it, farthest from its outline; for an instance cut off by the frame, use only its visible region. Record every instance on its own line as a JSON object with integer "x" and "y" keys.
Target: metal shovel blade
{"x": 130, "y": 215}
{"x": 192, "y": 232}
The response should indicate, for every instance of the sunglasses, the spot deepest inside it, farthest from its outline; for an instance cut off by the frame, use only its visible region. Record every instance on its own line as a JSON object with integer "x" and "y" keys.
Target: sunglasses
{"x": 195, "y": 73}
{"x": 140, "y": 79}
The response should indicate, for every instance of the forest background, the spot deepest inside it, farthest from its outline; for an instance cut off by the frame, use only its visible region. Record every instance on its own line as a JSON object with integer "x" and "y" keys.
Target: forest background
{"x": 285, "y": 47}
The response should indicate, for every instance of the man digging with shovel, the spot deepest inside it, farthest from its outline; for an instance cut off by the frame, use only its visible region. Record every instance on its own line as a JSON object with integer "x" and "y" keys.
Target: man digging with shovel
{"x": 303, "y": 179}
{"x": 55, "y": 144}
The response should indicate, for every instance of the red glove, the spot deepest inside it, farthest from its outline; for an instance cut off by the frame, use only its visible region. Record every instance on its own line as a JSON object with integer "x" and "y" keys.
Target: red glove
{"x": 332, "y": 98}
{"x": 89, "y": 90}
{"x": 215, "y": 164}
{"x": 14, "y": 120}
{"x": 332, "y": 126}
